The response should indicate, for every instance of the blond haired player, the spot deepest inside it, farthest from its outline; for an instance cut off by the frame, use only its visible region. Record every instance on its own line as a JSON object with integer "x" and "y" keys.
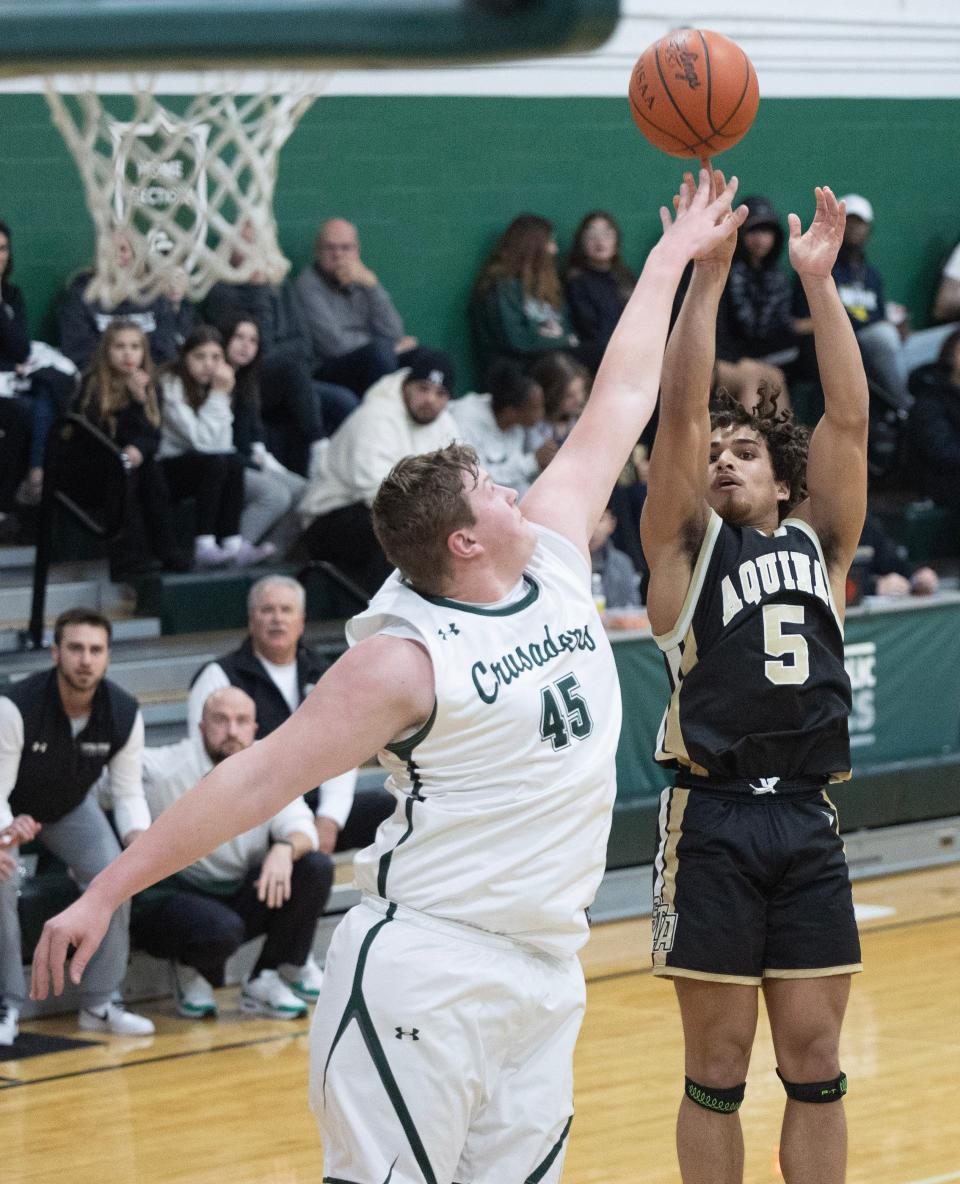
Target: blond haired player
{"x": 443, "y": 1038}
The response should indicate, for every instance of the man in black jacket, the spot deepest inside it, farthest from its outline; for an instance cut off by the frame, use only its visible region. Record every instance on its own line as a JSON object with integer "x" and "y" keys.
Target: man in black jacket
{"x": 59, "y": 729}
{"x": 278, "y": 671}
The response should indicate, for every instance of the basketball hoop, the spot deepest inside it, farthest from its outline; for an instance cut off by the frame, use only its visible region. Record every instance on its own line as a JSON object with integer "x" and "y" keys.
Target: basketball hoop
{"x": 181, "y": 200}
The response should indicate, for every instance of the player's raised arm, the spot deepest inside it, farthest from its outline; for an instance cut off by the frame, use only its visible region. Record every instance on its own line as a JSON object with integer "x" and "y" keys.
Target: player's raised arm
{"x": 375, "y": 692}
{"x": 675, "y": 512}
{"x": 837, "y": 461}
{"x": 572, "y": 492}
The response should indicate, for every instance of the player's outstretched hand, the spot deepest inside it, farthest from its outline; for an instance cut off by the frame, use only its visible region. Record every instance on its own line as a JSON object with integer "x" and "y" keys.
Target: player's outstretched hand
{"x": 80, "y": 927}
{"x": 815, "y": 252}
{"x": 704, "y": 217}
{"x": 721, "y": 254}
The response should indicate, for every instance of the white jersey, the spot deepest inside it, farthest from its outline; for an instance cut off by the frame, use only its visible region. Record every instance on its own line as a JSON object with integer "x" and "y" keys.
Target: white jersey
{"x": 507, "y": 790}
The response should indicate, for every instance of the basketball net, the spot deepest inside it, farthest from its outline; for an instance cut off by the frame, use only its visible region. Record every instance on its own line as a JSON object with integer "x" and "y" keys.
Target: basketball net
{"x": 181, "y": 201}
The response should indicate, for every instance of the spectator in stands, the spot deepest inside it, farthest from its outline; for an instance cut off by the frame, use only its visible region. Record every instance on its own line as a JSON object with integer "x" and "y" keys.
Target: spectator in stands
{"x": 278, "y": 671}
{"x": 82, "y": 321}
{"x": 598, "y": 284}
{"x": 946, "y": 303}
{"x": 36, "y": 385}
{"x": 357, "y": 333}
{"x": 197, "y": 452}
{"x": 403, "y": 414}
{"x": 13, "y": 832}
{"x": 933, "y": 431}
{"x": 270, "y": 880}
{"x": 517, "y": 308}
{"x": 496, "y": 425}
{"x": 186, "y": 315}
{"x": 890, "y": 352}
{"x": 920, "y": 349}
{"x": 59, "y": 730}
{"x": 566, "y": 388}
{"x": 298, "y": 410}
{"x": 619, "y": 578}
{"x": 756, "y": 334}
{"x": 626, "y": 505}
{"x": 885, "y": 569}
{"x": 119, "y": 397}
{"x": 271, "y": 491}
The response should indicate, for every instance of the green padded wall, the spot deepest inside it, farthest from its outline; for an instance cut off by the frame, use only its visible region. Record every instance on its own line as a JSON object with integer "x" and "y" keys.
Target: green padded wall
{"x": 431, "y": 182}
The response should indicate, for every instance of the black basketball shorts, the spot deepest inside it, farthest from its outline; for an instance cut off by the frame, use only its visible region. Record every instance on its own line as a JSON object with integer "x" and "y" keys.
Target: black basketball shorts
{"x": 751, "y": 887}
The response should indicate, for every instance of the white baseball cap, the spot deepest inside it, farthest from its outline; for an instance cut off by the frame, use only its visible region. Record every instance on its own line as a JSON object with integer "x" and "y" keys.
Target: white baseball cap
{"x": 858, "y": 206}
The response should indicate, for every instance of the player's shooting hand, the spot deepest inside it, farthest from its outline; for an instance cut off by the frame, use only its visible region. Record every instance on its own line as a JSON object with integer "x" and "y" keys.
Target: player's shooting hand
{"x": 721, "y": 254}
{"x": 814, "y": 253}
{"x": 80, "y": 927}
{"x": 273, "y": 886}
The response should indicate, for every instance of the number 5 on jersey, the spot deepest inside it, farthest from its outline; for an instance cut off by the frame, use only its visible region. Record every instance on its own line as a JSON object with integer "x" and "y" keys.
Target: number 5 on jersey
{"x": 792, "y": 666}
{"x": 563, "y": 713}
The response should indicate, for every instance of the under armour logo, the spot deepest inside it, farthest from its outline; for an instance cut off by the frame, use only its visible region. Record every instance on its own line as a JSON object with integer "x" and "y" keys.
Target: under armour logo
{"x": 766, "y": 785}
{"x": 450, "y": 631}
{"x": 414, "y": 1033}
{"x": 38, "y": 746}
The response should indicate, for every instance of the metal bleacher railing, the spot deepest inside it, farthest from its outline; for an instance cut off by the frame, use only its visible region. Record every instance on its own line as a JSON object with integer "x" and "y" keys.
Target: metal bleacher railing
{"x": 85, "y": 476}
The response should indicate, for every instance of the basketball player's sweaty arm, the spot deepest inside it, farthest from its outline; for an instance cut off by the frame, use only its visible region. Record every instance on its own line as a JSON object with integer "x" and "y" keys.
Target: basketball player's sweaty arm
{"x": 837, "y": 459}
{"x": 572, "y": 492}
{"x": 675, "y": 512}
{"x": 378, "y": 690}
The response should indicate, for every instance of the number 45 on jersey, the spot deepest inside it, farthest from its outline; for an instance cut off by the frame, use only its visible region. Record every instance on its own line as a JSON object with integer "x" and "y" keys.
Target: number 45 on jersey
{"x": 564, "y": 713}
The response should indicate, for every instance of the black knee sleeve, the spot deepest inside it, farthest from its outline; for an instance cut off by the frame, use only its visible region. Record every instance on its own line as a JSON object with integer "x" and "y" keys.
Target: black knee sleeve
{"x": 815, "y": 1091}
{"x": 718, "y": 1101}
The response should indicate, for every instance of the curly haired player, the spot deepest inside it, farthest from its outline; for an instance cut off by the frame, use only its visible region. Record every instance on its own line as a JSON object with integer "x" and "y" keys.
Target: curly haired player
{"x": 749, "y": 536}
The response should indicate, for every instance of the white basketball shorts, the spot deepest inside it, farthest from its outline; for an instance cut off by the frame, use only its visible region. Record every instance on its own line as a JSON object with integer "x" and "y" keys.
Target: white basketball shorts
{"x": 440, "y": 1054}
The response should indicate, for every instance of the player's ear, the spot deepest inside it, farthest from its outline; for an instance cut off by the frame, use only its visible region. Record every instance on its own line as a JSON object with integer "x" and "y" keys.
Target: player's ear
{"x": 783, "y": 490}
{"x": 463, "y": 543}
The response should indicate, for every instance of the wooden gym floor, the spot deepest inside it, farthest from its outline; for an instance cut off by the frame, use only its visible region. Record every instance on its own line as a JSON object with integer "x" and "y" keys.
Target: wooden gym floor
{"x": 217, "y": 1102}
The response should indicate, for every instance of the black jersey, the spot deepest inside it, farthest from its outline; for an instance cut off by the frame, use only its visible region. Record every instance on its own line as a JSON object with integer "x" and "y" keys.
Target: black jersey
{"x": 759, "y": 692}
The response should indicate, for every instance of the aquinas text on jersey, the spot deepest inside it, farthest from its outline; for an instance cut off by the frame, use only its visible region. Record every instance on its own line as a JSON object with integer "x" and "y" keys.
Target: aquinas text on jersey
{"x": 769, "y": 574}
{"x": 489, "y": 679}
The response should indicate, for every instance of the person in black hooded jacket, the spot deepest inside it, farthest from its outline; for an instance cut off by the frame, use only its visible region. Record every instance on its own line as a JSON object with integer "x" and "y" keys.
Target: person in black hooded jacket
{"x": 755, "y": 325}
{"x": 933, "y": 431}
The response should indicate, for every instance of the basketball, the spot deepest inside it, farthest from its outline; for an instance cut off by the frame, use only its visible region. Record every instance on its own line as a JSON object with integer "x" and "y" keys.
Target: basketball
{"x": 694, "y": 93}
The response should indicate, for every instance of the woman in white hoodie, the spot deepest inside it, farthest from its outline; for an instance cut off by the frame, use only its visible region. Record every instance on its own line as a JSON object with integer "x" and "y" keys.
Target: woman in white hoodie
{"x": 197, "y": 452}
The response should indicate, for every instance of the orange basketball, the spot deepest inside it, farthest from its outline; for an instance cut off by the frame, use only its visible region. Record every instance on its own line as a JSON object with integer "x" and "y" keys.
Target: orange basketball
{"x": 694, "y": 93}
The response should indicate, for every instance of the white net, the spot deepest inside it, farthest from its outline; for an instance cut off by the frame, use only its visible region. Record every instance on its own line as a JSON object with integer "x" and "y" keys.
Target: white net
{"x": 181, "y": 199}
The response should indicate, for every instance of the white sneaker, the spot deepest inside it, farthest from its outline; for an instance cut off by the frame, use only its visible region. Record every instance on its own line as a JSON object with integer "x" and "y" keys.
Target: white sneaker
{"x": 115, "y": 1018}
{"x": 193, "y": 993}
{"x": 268, "y": 994}
{"x": 304, "y": 980}
{"x": 9, "y": 1028}
{"x": 209, "y": 555}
